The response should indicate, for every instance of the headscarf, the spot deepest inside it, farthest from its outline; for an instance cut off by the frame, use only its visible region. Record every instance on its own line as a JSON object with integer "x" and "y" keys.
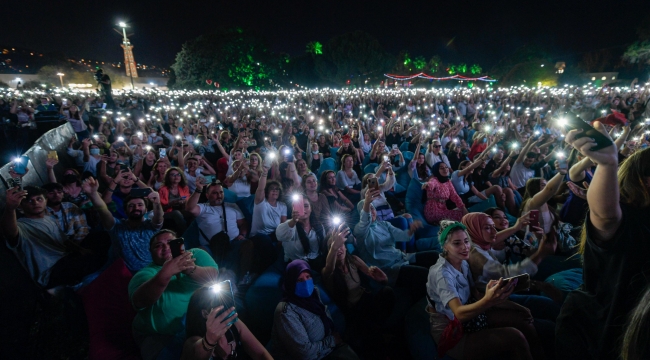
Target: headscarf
{"x": 435, "y": 170}
{"x": 475, "y": 223}
{"x": 312, "y": 303}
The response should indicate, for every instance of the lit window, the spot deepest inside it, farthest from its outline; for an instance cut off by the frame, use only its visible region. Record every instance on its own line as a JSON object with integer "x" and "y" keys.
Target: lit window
{"x": 604, "y": 78}
{"x": 593, "y": 78}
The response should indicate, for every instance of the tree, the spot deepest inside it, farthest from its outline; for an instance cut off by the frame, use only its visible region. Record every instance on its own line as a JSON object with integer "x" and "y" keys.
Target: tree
{"x": 315, "y": 48}
{"x": 435, "y": 64}
{"x": 476, "y": 69}
{"x": 353, "y": 56}
{"x": 639, "y": 52}
{"x": 403, "y": 63}
{"x": 233, "y": 57}
{"x": 420, "y": 63}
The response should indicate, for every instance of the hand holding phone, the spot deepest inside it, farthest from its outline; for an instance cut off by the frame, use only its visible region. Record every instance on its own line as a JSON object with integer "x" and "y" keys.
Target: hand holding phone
{"x": 177, "y": 247}
{"x": 298, "y": 204}
{"x": 522, "y": 282}
{"x": 224, "y": 298}
{"x": 533, "y": 218}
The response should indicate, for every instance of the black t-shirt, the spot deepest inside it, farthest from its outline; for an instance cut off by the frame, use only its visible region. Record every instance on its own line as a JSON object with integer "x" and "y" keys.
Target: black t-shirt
{"x": 393, "y": 139}
{"x": 616, "y": 274}
{"x": 106, "y": 87}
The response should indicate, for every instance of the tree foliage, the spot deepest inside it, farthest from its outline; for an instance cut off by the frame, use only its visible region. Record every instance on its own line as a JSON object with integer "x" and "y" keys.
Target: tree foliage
{"x": 352, "y": 56}
{"x": 435, "y": 64}
{"x": 315, "y": 48}
{"x": 639, "y": 52}
{"x": 420, "y": 63}
{"x": 232, "y": 57}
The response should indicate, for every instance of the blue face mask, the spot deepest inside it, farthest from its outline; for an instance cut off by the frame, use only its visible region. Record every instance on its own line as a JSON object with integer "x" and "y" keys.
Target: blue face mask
{"x": 304, "y": 289}
{"x": 94, "y": 151}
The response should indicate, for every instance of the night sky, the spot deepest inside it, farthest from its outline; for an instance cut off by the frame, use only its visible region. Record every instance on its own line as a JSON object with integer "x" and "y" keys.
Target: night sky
{"x": 468, "y": 31}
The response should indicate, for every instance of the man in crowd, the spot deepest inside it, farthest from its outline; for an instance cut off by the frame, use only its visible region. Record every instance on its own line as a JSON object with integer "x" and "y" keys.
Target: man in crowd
{"x": 131, "y": 236}
{"x": 50, "y": 257}
{"x": 161, "y": 292}
{"x": 71, "y": 220}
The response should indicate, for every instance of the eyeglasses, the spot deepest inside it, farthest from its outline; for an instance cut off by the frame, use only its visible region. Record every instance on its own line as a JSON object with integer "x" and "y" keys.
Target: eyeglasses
{"x": 437, "y": 146}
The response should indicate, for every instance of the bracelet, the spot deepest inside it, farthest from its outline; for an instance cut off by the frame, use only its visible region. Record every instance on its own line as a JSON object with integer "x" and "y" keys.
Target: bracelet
{"x": 204, "y": 341}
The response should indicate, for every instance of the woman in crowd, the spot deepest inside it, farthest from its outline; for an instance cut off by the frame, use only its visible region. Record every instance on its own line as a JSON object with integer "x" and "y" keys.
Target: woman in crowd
{"x": 376, "y": 244}
{"x": 239, "y": 181}
{"x": 303, "y": 237}
{"x": 289, "y": 177}
{"x": 210, "y": 335}
{"x": 157, "y": 177}
{"x": 418, "y": 168}
{"x": 173, "y": 197}
{"x": 144, "y": 167}
{"x": 71, "y": 184}
{"x": 338, "y": 202}
{"x": 464, "y": 324}
{"x": 500, "y": 176}
{"x": 580, "y": 172}
{"x": 465, "y": 188}
{"x": 537, "y": 196}
{"x": 301, "y": 168}
{"x": 615, "y": 252}
{"x": 384, "y": 211}
{"x": 438, "y": 191}
{"x": 347, "y": 179}
{"x": 302, "y": 327}
{"x": 345, "y": 277}
{"x": 314, "y": 158}
{"x": 318, "y": 202}
{"x": 455, "y": 155}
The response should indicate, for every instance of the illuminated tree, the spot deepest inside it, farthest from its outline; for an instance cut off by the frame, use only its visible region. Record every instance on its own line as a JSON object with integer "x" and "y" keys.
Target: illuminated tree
{"x": 420, "y": 62}
{"x": 233, "y": 57}
{"x": 434, "y": 64}
{"x": 315, "y": 48}
{"x": 476, "y": 69}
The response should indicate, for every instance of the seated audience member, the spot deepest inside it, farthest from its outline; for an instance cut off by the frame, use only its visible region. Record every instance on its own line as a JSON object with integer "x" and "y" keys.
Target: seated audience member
{"x": 119, "y": 189}
{"x": 338, "y": 202}
{"x": 303, "y": 237}
{"x": 51, "y": 257}
{"x": 347, "y": 179}
{"x": 435, "y": 155}
{"x": 196, "y": 166}
{"x": 157, "y": 179}
{"x": 462, "y": 180}
{"x": 289, "y": 177}
{"x": 365, "y": 310}
{"x": 523, "y": 168}
{"x": 71, "y": 182}
{"x": 241, "y": 179}
{"x": 418, "y": 168}
{"x": 130, "y": 237}
{"x": 268, "y": 214}
{"x": 615, "y": 252}
{"x": 237, "y": 254}
{"x": 210, "y": 335}
{"x": 317, "y": 202}
{"x": 580, "y": 172}
{"x": 500, "y": 176}
{"x": 161, "y": 291}
{"x": 464, "y": 324}
{"x": 537, "y": 196}
{"x": 174, "y": 194}
{"x": 376, "y": 244}
{"x": 302, "y": 327}
{"x": 72, "y": 221}
{"x": 439, "y": 191}
{"x": 384, "y": 211}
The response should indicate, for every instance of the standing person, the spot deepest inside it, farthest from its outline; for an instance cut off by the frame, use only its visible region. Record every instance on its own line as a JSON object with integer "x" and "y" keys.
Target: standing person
{"x": 464, "y": 324}
{"x": 105, "y": 88}
{"x": 302, "y": 326}
{"x": 615, "y": 252}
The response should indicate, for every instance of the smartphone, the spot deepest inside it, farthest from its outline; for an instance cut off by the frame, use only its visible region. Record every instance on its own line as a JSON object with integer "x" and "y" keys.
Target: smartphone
{"x": 16, "y": 182}
{"x": 394, "y": 146}
{"x": 575, "y": 123}
{"x": 209, "y": 178}
{"x": 177, "y": 246}
{"x": 252, "y": 143}
{"x": 223, "y": 296}
{"x": 533, "y": 217}
{"x": 268, "y": 159}
{"x": 140, "y": 193}
{"x": 21, "y": 165}
{"x": 52, "y": 155}
{"x": 373, "y": 183}
{"x": 288, "y": 155}
{"x": 124, "y": 167}
{"x": 298, "y": 204}
{"x": 562, "y": 164}
{"x": 162, "y": 152}
{"x": 523, "y": 282}
{"x": 311, "y": 132}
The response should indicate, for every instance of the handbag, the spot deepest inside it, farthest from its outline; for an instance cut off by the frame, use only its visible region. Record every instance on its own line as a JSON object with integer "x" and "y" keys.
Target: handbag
{"x": 219, "y": 243}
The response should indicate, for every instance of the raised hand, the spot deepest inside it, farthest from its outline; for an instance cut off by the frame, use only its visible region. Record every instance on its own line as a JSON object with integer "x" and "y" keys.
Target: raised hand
{"x": 90, "y": 185}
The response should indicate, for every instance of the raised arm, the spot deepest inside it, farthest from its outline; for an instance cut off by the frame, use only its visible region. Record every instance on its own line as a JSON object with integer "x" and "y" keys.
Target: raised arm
{"x": 548, "y": 192}
{"x": 603, "y": 197}
{"x": 90, "y": 186}
{"x": 259, "y": 193}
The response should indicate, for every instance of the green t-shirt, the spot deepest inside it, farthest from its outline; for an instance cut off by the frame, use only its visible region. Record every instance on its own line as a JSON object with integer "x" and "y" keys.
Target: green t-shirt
{"x": 165, "y": 316}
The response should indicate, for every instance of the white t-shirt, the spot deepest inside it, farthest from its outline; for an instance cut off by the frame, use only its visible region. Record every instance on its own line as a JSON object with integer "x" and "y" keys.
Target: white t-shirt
{"x": 343, "y": 181}
{"x": 241, "y": 188}
{"x": 519, "y": 175}
{"x": 210, "y": 221}
{"x": 266, "y": 218}
{"x": 191, "y": 179}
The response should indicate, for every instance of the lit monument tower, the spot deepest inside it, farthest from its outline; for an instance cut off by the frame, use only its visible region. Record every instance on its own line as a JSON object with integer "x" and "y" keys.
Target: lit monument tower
{"x": 129, "y": 61}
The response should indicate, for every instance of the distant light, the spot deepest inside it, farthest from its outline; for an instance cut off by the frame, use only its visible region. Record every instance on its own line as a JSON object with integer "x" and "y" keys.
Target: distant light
{"x": 122, "y": 24}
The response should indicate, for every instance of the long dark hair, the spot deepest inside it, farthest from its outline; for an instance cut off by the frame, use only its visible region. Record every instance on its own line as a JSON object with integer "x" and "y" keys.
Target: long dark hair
{"x": 168, "y": 180}
{"x": 202, "y": 299}
{"x": 323, "y": 180}
{"x": 287, "y": 183}
{"x": 421, "y": 168}
{"x": 318, "y": 229}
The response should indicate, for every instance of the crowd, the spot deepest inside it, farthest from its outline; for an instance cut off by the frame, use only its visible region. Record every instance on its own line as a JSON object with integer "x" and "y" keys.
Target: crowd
{"x": 473, "y": 199}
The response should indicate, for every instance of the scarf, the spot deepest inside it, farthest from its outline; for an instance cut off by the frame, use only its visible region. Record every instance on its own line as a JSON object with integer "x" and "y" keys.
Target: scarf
{"x": 435, "y": 170}
{"x": 312, "y": 303}
{"x": 475, "y": 223}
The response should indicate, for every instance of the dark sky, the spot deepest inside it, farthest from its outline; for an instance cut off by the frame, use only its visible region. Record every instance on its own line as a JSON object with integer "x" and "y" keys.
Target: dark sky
{"x": 482, "y": 31}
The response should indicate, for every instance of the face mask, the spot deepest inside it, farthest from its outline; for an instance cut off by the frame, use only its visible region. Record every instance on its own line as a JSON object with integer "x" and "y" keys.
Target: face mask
{"x": 314, "y": 152}
{"x": 69, "y": 179}
{"x": 305, "y": 289}
{"x": 94, "y": 151}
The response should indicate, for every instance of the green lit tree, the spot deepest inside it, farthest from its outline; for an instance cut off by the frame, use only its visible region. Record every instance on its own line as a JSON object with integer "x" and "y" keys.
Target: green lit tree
{"x": 420, "y": 63}
{"x": 232, "y": 57}
{"x": 434, "y": 64}
{"x": 315, "y": 48}
{"x": 462, "y": 68}
{"x": 475, "y": 69}
{"x": 403, "y": 63}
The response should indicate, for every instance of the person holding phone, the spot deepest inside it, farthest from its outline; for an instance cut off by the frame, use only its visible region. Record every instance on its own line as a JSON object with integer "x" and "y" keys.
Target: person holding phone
{"x": 161, "y": 291}
{"x": 302, "y": 326}
{"x": 466, "y": 324}
{"x": 174, "y": 194}
{"x": 303, "y": 236}
{"x": 211, "y": 334}
{"x": 537, "y": 196}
